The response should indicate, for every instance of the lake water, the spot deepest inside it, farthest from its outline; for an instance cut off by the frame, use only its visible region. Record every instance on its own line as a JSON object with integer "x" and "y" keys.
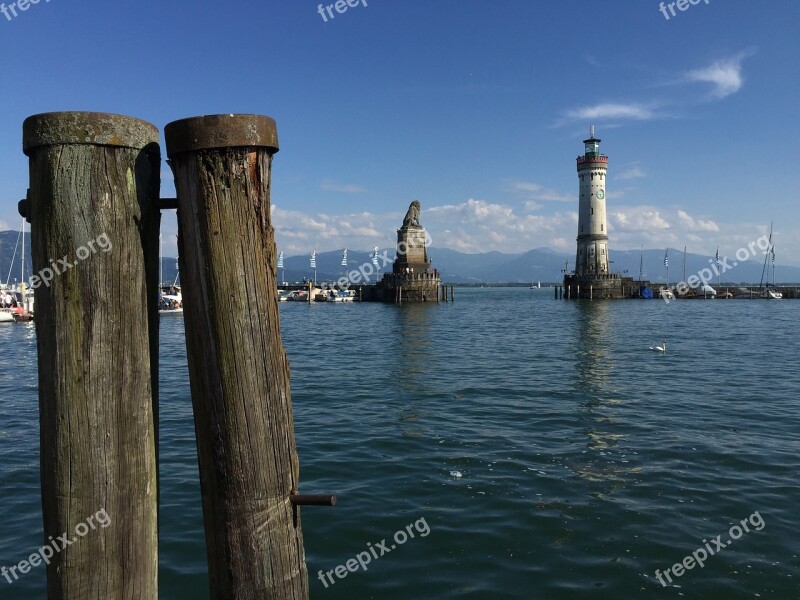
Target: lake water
{"x": 586, "y": 461}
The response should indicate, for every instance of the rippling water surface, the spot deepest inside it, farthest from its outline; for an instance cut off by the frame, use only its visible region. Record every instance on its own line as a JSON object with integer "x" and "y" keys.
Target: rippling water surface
{"x": 586, "y": 461}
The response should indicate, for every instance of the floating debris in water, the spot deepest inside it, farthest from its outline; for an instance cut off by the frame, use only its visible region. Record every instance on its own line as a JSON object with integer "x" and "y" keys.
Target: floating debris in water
{"x": 456, "y": 474}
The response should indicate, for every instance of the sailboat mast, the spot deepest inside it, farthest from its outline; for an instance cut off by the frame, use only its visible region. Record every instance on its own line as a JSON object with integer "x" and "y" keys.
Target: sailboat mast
{"x": 771, "y": 249}
{"x": 22, "y": 273}
{"x": 160, "y": 260}
{"x": 766, "y": 258}
{"x": 641, "y": 264}
{"x": 684, "y": 264}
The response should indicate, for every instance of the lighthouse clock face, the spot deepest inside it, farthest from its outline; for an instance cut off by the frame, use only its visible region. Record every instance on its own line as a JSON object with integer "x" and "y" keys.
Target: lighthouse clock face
{"x": 601, "y": 194}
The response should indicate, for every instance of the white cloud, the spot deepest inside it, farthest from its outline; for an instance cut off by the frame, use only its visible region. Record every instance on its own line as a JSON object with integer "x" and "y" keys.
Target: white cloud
{"x": 632, "y": 173}
{"x": 692, "y": 224}
{"x": 637, "y": 218}
{"x": 541, "y": 193}
{"x": 297, "y": 231}
{"x": 477, "y": 225}
{"x": 532, "y": 206}
{"x": 632, "y": 111}
{"x": 725, "y": 75}
{"x": 481, "y": 226}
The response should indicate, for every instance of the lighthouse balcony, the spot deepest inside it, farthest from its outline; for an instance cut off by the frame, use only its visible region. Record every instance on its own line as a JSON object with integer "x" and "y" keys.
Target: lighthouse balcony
{"x": 600, "y": 158}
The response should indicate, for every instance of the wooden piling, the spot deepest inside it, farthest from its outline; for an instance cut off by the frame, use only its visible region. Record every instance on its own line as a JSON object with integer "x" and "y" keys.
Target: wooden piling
{"x": 238, "y": 368}
{"x": 93, "y": 200}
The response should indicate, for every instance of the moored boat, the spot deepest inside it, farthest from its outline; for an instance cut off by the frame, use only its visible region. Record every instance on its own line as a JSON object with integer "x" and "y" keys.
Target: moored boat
{"x": 296, "y": 296}
{"x": 770, "y": 294}
{"x": 331, "y": 295}
{"x": 170, "y": 300}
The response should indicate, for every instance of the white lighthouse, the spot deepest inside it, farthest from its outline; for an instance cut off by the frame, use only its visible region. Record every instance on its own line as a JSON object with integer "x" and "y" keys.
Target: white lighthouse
{"x": 592, "y": 256}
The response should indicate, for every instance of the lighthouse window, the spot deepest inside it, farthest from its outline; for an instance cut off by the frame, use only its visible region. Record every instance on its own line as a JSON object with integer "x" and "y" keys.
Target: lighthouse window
{"x": 592, "y": 210}
{"x": 601, "y": 227}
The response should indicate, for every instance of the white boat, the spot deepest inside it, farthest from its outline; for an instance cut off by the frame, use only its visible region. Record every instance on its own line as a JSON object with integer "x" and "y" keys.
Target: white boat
{"x": 705, "y": 291}
{"x": 18, "y": 306}
{"x": 296, "y": 296}
{"x": 170, "y": 300}
{"x": 769, "y": 294}
{"x": 666, "y": 294}
{"x": 335, "y": 296}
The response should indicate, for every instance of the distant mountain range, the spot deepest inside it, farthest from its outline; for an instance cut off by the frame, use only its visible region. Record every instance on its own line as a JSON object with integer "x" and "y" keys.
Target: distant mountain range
{"x": 540, "y": 264}
{"x": 543, "y": 264}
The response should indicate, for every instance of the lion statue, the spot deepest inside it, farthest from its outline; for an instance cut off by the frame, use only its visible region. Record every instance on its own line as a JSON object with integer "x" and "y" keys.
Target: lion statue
{"x": 412, "y": 216}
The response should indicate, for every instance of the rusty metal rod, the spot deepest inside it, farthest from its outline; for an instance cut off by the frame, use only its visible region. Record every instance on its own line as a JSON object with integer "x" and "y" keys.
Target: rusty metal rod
{"x": 168, "y": 203}
{"x": 313, "y": 500}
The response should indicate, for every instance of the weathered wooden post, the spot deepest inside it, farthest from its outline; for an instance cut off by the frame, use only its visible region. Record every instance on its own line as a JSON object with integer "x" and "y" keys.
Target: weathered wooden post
{"x": 238, "y": 368}
{"x": 92, "y": 204}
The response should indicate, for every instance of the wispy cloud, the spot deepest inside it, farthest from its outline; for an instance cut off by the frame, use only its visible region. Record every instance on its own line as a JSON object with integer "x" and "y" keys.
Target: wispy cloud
{"x": 632, "y": 173}
{"x": 610, "y": 110}
{"x": 541, "y": 193}
{"x": 724, "y": 75}
{"x": 347, "y": 188}
{"x": 532, "y": 206}
{"x": 592, "y": 60}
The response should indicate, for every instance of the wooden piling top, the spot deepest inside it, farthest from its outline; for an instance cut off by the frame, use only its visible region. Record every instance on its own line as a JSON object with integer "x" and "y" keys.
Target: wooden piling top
{"x": 100, "y": 129}
{"x": 221, "y": 131}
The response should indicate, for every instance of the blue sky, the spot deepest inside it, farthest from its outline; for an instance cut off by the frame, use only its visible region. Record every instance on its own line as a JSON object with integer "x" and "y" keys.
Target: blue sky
{"x": 475, "y": 108}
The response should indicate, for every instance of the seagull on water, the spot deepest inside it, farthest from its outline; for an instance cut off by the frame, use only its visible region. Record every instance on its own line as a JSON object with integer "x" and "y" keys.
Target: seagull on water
{"x": 661, "y": 348}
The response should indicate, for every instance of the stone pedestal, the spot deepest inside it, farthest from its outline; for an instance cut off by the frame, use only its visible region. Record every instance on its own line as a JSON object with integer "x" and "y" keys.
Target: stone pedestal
{"x": 413, "y": 278}
{"x": 596, "y": 287}
{"x": 412, "y": 252}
